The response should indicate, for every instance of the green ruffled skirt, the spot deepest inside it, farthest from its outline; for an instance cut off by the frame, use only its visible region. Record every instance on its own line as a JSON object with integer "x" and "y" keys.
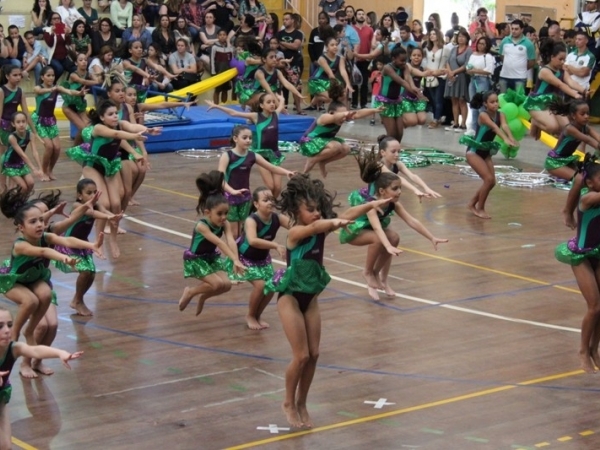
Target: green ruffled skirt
{"x": 33, "y": 274}
{"x": 473, "y": 145}
{"x": 314, "y": 146}
{"x": 552, "y": 163}
{"x": 200, "y": 266}
{"x": 538, "y": 102}
{"x": 392, "y": 110}
{"x": 303, "y": 275}
{"x": 359, "y": 197}
{"x": 84, "y": 264}
{"x": 255, "y": 270}
{"x": 317, "y": 86}
{"x": 4, "y": 134}
{"x": 414, "y": 106}
{"x": 240, "y": 212}
{"x": 14, "y": 171}
{"x": 44, "y": 131}
{"x": 75, "y": 102}
{"x": 349, "y": 233}
{"x": 568, "y": 253}
{"x": 5, "y": 394}
{"x": 85, "y": 158}
{"x": 270, "y": 156}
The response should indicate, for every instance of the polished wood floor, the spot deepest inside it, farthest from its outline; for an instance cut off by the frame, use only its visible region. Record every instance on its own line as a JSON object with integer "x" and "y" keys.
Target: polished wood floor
{"x": 477, "y": 351}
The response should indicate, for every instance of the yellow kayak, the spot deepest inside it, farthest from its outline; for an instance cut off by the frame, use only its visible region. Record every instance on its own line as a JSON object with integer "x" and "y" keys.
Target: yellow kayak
{"x": 194, "y": 89}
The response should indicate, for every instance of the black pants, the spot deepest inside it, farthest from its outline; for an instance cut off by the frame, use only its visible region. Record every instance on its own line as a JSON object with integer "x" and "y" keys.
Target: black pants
{"x": 363, "y": 89}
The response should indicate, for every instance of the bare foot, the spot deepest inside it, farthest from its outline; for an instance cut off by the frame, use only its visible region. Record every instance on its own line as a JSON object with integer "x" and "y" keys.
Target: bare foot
{"x": 81, "y": 309}
{"x": 133, "y": 202}
{"x": 201, "y": 301}
{"x": 39, "y": 367}
{"x": 264, "y": 325}
{"x": 569, "y": 220}
{"x": 46, "y": 178}
{"x": 107, "y": 229}
{"x": 388, "y": 290}
{"x": 185, "y": 299}
{"x": 472, "y": 207}
{"x": 253, "y": 324}
{"x": 586, "y": 363}
{"x": 596, "y": 359}
{"x": 115, "y": 251}
{"x": 482, "y": 214}
{"x": 371, "y": 280}
{"x": 52, "y": 177}
{"x": 121, "y": 231}
{"x": 378, "y": 280}
{"x": 26, "y": 371}
{"x": 323, "y": 169}
{"x": 304, "y": 417}
{"x": 291, "y": 414}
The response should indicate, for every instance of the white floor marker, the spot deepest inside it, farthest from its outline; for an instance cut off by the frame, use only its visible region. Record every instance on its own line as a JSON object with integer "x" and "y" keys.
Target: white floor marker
{"x": 273, "y": 429}
{"x": 379, "y": 403}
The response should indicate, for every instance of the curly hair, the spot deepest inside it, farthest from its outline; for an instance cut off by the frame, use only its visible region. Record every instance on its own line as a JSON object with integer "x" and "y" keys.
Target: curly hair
{"x": 301, "y": 189}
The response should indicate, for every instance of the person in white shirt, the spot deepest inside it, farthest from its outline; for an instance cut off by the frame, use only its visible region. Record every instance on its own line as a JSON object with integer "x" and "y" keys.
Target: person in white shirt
{"x": 68, "y": 13}
{"x": 518, "y": 56}
{"x": 588, "y": 21}
{"x": 580, "y": 62}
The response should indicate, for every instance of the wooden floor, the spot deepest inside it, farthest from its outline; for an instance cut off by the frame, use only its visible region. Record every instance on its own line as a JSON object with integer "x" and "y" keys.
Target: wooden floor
{"x": 478, "y": 350}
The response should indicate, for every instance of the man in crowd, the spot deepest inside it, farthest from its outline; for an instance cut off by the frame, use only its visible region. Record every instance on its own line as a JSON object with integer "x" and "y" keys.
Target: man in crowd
{"x": 581, "y": 61}
{"x": 365, "y": 35}
{"x": 518, "y": 56}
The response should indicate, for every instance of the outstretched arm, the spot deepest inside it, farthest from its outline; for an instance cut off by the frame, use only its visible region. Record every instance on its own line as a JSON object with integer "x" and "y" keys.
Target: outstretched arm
{"x": 43, "y": 352}
{"x": 417, "y": 226}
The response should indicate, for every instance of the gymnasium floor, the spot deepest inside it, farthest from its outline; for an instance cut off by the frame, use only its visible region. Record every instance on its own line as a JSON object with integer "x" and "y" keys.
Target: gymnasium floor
{"x": 478, "y": 350}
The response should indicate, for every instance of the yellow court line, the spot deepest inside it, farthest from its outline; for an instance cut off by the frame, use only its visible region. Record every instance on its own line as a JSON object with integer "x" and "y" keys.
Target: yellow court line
{"x": 489, "y": 269}
{"x": 430, "y": 255}
{"x": 421, "y": 407}
{"x": 24, "y": 445}
{"x": 170, "y": 191}
{"x": 49, "y": 188}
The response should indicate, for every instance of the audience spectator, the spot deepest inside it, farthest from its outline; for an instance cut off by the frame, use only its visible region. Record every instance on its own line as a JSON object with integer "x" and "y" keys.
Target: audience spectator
{"x": 589, "y": 22}
{"x": 104, "y": 63}
{"x": 316, "y": 42}
{"x": 68, "y": 14}
{"x": 36, "y": 59}
{"x": 245, "y": 28}
{"x": 480, "y": 68}
{"x": 330, "y": 7}
{"x": 255, "y": 8}
{"x": 483, "y": 22}
{"x": 417, "y": 30}
{"x": 157, "y": 68}
{"x": 121, "y": 12}
{"x": 17, "y": 46}
{"x": 58, "y": 40}
{"x": 183, "y": 66}
{"x": 365, "y": 36}
{"x": 350, "y": 14}
{"x": 40, "y": 15}
{"x": 220, "y": 59}
{"x": 372, "y": 19}
{"x": 193, "y": 12}
{"x": 436, "y": 57}
{"x": 269, "y": 27}
{"x": 182, "y": 31}
{"x": 224, "y": 12}
{"x": 104, "y": 36}
{"x": 150, "y": 11}
{"x": 518, "y": 55}
{"x": 137, "y": 32}
{"x": 163, "y": 36}
{"x": 580, "y": 62}
{"x": 89, "y": 14}
{"x": 457, "y": 84}
{"x": 171, "y": 9}
{"x": 209, "y": 33}
{"x": 80, "y": 39}
{"x": 290, "y": 42}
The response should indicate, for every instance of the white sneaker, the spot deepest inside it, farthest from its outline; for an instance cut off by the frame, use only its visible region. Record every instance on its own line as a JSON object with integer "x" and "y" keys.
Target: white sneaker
{"x": 470, "y": 133}
{"x": 349, "y": 121}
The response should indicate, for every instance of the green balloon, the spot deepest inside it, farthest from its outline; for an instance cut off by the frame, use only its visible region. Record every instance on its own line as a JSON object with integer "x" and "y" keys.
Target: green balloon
{"x": 512, "y": 151}
{"x": 502, "y": 100}
{"x": 517, "y": 128}
{"x": 504, "y": 149}
{"x": 511, "y": 111}
{"x": 523, "y": 113}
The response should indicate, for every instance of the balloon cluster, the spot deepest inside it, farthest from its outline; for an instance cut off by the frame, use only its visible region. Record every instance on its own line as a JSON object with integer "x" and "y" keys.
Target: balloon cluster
{"x": 511, "y": 104}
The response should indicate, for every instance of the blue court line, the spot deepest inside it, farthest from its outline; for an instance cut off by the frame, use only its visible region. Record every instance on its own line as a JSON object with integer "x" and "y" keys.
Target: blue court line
{"x": 434, "y": 378}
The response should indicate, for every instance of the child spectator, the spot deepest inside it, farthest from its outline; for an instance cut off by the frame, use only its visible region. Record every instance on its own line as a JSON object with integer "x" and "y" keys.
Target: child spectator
{"x": 375, "y": 80}
{"x": 220, "y": 58}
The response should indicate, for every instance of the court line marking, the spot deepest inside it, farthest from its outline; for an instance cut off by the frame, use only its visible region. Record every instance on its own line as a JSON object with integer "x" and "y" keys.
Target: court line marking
{"x": 162, "y": 383}
{"x": 195, "y": 197}
{"x": 24, "y": 445}
{"x": 489, "y": 269}
{"x": 409, "y": 409}
{"x": 406, "y": 297}
{"x": 239, "y": 399}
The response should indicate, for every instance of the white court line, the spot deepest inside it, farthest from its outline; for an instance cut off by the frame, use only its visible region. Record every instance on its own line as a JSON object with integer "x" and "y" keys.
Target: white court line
{"x": 167, "y": 215}
{"x": 239, "y": 399}
{"x": 343, "y": 263}
{"x": 170, "y": 382}
{"x": 406, "y": 297}
{"x": 269, "y": 374}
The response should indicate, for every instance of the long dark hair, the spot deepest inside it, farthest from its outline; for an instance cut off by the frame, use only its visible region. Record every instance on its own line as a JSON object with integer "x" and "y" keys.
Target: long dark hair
{"x": 47, "y": 12}
{"x": 371, "y": 170}
{"x": 14, "y": 203}
{"x": 210, "y": 186}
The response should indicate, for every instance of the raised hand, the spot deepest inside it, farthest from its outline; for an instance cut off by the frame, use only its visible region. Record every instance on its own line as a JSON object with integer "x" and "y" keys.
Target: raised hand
{"x": 281, "y": 250}
{"x": 155, "y": 131}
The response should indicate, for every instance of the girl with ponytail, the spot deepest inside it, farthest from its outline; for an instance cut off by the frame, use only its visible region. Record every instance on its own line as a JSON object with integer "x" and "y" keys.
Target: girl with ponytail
{"x": 203, "y": 259}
